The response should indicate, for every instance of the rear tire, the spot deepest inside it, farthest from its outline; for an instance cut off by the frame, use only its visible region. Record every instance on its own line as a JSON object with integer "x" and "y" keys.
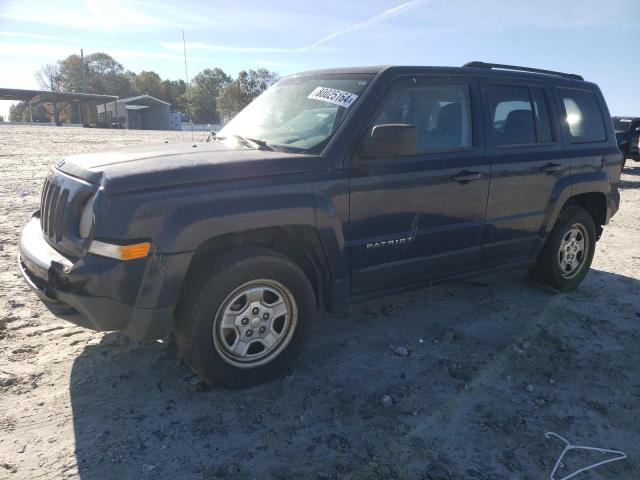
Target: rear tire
{"x": 566, "y": 257}
{"x": 243, "y": 317}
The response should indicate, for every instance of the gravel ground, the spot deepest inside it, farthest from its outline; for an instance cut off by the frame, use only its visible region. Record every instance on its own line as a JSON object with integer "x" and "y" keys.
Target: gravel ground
{"x": 455, "y": 381}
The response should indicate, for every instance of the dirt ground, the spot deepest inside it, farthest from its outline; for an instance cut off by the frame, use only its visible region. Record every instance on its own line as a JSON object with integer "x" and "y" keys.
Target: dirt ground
{"x": 493, "y": 363}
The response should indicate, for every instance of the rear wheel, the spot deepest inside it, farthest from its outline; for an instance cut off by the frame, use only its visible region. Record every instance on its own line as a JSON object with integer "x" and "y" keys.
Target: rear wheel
{"x": 567, "y": 254}
{"x": 243, "y": 317}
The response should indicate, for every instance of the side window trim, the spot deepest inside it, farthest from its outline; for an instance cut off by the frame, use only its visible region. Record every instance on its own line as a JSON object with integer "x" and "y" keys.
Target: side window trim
{"x": 550, "y": 116}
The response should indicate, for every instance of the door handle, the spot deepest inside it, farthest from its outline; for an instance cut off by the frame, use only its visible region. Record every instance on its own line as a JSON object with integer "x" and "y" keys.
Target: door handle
{"x": 553, "y": 168}
{"x": 466, "y": 177}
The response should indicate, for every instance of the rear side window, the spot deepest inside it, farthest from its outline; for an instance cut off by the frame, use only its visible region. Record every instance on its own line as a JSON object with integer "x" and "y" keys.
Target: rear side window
{"x": 583, "y": 116}
{"x": 440, "y": 113}
{"x": 520, "y": 115}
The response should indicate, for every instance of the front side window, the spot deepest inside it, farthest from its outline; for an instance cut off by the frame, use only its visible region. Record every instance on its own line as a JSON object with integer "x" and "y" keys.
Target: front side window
{"x": 583, "y": 116}
{"x": 441, "y": 115}
{"x": 520, "y": 115}
{"x": 298, "y": 114}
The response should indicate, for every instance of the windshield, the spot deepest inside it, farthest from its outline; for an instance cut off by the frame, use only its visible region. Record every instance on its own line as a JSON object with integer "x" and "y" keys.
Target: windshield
{"x": 622, "y": 124}
{"x": 297, "y": 114}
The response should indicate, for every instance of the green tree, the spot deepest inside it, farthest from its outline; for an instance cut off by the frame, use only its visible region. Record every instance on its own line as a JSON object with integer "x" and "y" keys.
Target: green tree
{"x": 100, "y": 73}
{"x": 231, "y": 101}
{"x": 15, "y": 111}
{"x": 203, "y": 92}
{"x": 19, "y": 112}
{"x": 254, "y": 82}
{"x": 239, "y": 93}
{"x": 175, "y": 93}
{"x": 70, "y": 74}
{"x": 148, "y": 83}
{"x": 211, "y": 95}
{"x": 104, "y": 75}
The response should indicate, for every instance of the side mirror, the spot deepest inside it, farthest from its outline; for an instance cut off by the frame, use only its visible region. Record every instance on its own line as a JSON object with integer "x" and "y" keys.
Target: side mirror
{"x": 390, "y": 140}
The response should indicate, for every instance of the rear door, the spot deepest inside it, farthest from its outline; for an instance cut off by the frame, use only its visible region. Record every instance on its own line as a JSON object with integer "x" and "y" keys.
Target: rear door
{"x": 421, "y": 217}
{"x": 528, "y": 166}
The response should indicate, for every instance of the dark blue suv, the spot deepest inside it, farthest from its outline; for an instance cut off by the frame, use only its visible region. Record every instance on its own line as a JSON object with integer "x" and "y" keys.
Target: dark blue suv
{"x": 333, "y": 186}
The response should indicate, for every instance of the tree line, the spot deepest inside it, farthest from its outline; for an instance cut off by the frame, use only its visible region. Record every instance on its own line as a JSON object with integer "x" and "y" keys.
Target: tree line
{"x": 212, "y": 96}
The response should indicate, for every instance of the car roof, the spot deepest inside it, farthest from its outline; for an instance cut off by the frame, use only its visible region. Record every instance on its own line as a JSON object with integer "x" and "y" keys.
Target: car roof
{"x": 436, "y": 70}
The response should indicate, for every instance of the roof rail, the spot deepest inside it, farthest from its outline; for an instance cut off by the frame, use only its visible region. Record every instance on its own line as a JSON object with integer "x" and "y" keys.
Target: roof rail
{"x": 522, "y": 69}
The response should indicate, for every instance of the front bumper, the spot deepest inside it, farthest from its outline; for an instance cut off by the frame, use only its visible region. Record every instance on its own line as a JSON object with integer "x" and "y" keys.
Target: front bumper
{"x": 77, "y": 291}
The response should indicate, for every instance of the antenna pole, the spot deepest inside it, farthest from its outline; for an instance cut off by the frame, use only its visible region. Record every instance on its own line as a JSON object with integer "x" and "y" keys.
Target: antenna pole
{"x": 186, "y": 74}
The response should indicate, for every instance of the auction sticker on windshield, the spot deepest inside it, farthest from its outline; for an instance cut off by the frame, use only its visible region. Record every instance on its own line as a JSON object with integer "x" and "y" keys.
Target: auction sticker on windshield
{"x": 331, "y": 95}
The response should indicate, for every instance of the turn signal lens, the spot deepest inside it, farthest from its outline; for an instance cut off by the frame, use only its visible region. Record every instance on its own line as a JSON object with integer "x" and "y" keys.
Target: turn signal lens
{"x": 139, "y": 250}
{"x": 120, "y": 252}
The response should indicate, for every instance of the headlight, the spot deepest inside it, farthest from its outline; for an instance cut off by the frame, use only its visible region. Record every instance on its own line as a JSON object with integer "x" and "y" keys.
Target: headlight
{"x": 86, "y": 219}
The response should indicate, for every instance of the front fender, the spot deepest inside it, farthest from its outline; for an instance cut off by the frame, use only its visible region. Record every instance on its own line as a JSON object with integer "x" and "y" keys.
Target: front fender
{"x": 180, "y": 220}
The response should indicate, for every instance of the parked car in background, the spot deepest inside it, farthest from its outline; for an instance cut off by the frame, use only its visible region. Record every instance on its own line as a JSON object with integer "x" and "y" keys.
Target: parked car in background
{"x": 331, "y": 187}
{"x": 628, "y": 136}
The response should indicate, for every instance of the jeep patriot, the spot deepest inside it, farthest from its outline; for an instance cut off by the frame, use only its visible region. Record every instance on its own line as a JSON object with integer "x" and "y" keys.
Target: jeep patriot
{"x": 331, "y": 187}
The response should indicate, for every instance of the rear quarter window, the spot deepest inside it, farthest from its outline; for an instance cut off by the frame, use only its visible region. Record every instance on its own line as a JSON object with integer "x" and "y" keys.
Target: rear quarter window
{"x": 583, "y": 116}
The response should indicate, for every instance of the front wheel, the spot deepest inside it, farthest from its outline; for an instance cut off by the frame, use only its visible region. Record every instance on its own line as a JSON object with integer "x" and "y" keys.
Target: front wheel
{"x": 566, "y": 256}
{"x": 243, "y": 317}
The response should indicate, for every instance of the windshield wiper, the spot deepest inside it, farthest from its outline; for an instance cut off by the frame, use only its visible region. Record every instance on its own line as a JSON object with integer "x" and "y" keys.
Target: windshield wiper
{"x": 255, "y": 143}
{"x": 258, "y": 143}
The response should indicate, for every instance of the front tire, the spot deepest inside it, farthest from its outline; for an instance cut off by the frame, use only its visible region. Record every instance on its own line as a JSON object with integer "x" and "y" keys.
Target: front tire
{"x": 243, "y": 317}
{"x": 566, "y": 257}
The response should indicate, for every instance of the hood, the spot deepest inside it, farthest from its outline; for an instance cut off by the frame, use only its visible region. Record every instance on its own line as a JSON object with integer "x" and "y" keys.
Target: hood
{"x": 165, "y": 165}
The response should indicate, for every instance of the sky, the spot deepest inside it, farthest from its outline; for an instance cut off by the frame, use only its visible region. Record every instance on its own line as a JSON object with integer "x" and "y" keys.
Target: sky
{"x": 597, "y": 39}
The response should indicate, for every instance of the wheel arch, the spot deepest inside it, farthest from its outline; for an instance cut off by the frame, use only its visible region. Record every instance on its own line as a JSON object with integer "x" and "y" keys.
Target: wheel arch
{"x": 300, "y": 243}
{"x": 586, "y": 190}
{"x": 593, "y": 202}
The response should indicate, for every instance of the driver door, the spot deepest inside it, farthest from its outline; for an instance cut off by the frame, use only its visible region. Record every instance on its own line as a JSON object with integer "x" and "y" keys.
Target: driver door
{"x": 421, "y": 217}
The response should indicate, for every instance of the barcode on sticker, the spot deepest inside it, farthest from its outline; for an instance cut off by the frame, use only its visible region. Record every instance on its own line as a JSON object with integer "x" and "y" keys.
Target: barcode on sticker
{"x": 331, "y": 95}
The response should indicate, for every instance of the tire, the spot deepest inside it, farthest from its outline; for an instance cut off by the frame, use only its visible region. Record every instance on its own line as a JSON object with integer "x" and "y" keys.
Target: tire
{"x": 625, "y": 154}
{"x": 558, "y": 269}
{"x": 230, "y": 325}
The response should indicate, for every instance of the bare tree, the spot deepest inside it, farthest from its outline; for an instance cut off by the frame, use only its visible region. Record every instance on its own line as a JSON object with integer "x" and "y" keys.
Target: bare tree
{"x": 48, "y": 77}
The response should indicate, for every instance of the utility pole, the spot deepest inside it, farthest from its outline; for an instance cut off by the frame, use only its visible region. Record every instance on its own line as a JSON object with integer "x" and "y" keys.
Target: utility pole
{"x": 186, "y": 75}
{"x": 56, "y": 114}
{"x": 81, "y": 83}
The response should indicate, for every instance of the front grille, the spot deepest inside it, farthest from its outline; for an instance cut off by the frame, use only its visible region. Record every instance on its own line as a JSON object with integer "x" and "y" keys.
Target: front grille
{"x": 63, "y": 198}
{"x": 52, "y": 209}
